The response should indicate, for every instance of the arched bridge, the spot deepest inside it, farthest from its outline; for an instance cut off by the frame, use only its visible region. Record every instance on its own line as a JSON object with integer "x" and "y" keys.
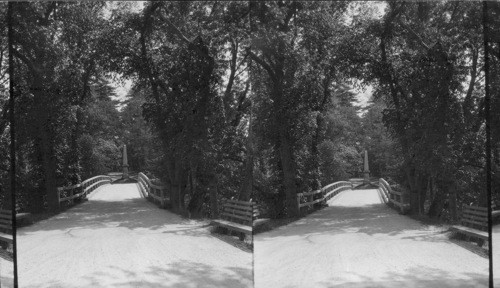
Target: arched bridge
{"x": 361, "y": 241}
{"x": 119, "y": 239}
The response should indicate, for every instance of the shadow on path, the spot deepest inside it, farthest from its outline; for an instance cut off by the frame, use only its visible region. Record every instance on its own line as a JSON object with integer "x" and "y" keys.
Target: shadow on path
{"x": 119, "y": 239}
{"x": 129, "y": 212}
{"x": 360, "y": 242}
{"x": 184, "y": 274}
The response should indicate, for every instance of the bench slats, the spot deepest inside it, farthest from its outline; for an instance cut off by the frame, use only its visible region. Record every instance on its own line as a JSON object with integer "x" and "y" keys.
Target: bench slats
{"x": 473, "y": 217}
{"x": 470, "y": 231}
{"x": 244, "y": 203}
{"x": 479, "y": 221}
{"x": 259, "y": 222}
{"x": 246, "y": 219}
{"x": 6, "y": 224}
{"x": 476, "y": 208}
{"x": 6, "y": 237}
{"x": 239, "y": 207}
{"x": 6, "y": 221}
{"x": 7, "y": 227}
{"x": 234, "y": 226}
{"x": 239, "y": 216}
{"x": 236, "y": 215}
{"x": 238, "y": 211}
{"x": 476, "y": 213}
{"x": 474, "y": 223}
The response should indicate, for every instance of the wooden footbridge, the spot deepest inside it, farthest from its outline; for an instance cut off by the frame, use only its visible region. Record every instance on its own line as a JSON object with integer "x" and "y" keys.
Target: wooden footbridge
{"x": 363, "y": 239}
{"x": 116, "y": 236}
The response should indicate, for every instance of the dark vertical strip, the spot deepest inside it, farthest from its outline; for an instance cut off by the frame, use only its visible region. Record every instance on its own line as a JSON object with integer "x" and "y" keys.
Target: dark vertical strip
{"x": 12, "y": 139}
{"x": 250, "y": 26}
{"x": 488, "y": 133}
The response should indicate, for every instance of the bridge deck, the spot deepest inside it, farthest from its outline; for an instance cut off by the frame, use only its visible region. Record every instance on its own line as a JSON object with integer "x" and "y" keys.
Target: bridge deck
{"x": 360, "y": 242}
{"x": 118, "y": 239}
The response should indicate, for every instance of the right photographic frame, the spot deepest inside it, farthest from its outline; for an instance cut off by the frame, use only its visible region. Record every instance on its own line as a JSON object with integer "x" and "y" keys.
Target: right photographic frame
{"x": 491, "y": 12}
{"x": 381, "y": 143}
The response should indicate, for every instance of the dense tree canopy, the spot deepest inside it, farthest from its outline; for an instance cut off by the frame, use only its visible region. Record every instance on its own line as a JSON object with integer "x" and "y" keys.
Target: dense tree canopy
{"x": 254, "y": 99}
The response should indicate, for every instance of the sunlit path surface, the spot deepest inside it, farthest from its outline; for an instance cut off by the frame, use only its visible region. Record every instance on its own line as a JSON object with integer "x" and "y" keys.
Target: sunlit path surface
{"x": 6, "y": 273}
{"x": 118, "y": 239}
{"x": 496, "y": 255}
{"x": 360, "y": 242}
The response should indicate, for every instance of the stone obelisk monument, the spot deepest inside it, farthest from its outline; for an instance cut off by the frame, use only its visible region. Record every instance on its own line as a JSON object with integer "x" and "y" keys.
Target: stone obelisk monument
{"x": 125, "y": 163}
{"x": 366, "y": 170}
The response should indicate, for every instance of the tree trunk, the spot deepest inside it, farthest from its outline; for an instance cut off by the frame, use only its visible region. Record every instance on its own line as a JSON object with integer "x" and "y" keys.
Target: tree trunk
{"x": 247, "y": 184}
{"x": 74, "y": 164}
{"x": 315, "y": 173}
{"x": 453, "y": 204}
{"x": 437, "y": 204}
{"x": 49, "y": 167}
{"x": 214, "y": 190}
{"x": 289, "y": 174}
{"x": 423, "y": 194}
{"x": 46, "y": 142}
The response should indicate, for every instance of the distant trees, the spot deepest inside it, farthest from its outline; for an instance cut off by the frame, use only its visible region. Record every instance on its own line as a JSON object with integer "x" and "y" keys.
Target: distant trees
{"x": 57, "y": 72}
{"x": 429, "y": 68}
{"x": 188, "y": 62}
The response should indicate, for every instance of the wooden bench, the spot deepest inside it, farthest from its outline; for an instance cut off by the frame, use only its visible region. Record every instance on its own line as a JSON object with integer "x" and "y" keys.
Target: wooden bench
{"x": 495, "y": 213}
{"x": 23, "y": 217}
{"x": 6, "y": 228}
{"x": 236, "y": 216}
{"x": 474, "y": 223}
{"x": 257, "y": 221}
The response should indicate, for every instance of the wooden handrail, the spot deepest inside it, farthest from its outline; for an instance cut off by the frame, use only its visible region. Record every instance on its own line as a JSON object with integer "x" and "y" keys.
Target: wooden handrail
{"x": 86, "y": 187}
{"x": 326, "y": 193}
{"x": 393, "y": 197}
{"x": 153, "y": 191}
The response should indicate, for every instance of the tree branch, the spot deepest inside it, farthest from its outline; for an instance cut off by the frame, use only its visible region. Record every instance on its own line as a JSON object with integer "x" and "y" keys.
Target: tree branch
{"x": 26, "y": 61}
{"x": 227, "y": 93}
{"x": 468, "y": 97}
{"x": 420, "y": 40}
{"x": 263, "y": 64}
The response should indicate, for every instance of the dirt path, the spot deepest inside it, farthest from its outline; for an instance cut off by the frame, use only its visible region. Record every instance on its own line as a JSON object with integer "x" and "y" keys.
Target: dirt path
{"x": 359, "y": 242}
{"x": 6, "y": 273}
{"x": 118, "y": 239}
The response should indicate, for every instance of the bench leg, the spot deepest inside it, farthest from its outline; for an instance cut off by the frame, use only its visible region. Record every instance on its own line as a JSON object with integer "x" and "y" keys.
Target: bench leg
{"x": 480, "y": 242}
{"x": 242, "y": 236}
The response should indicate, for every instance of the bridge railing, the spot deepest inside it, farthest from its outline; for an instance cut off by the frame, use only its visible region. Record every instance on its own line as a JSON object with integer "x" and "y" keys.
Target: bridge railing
{"x": 323, "y": 194}
{"x": 335, "y": 188}
{"x": 390, "y": 195}
{"x": 69, "y": 193}
{"x": 153, "y": 191}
